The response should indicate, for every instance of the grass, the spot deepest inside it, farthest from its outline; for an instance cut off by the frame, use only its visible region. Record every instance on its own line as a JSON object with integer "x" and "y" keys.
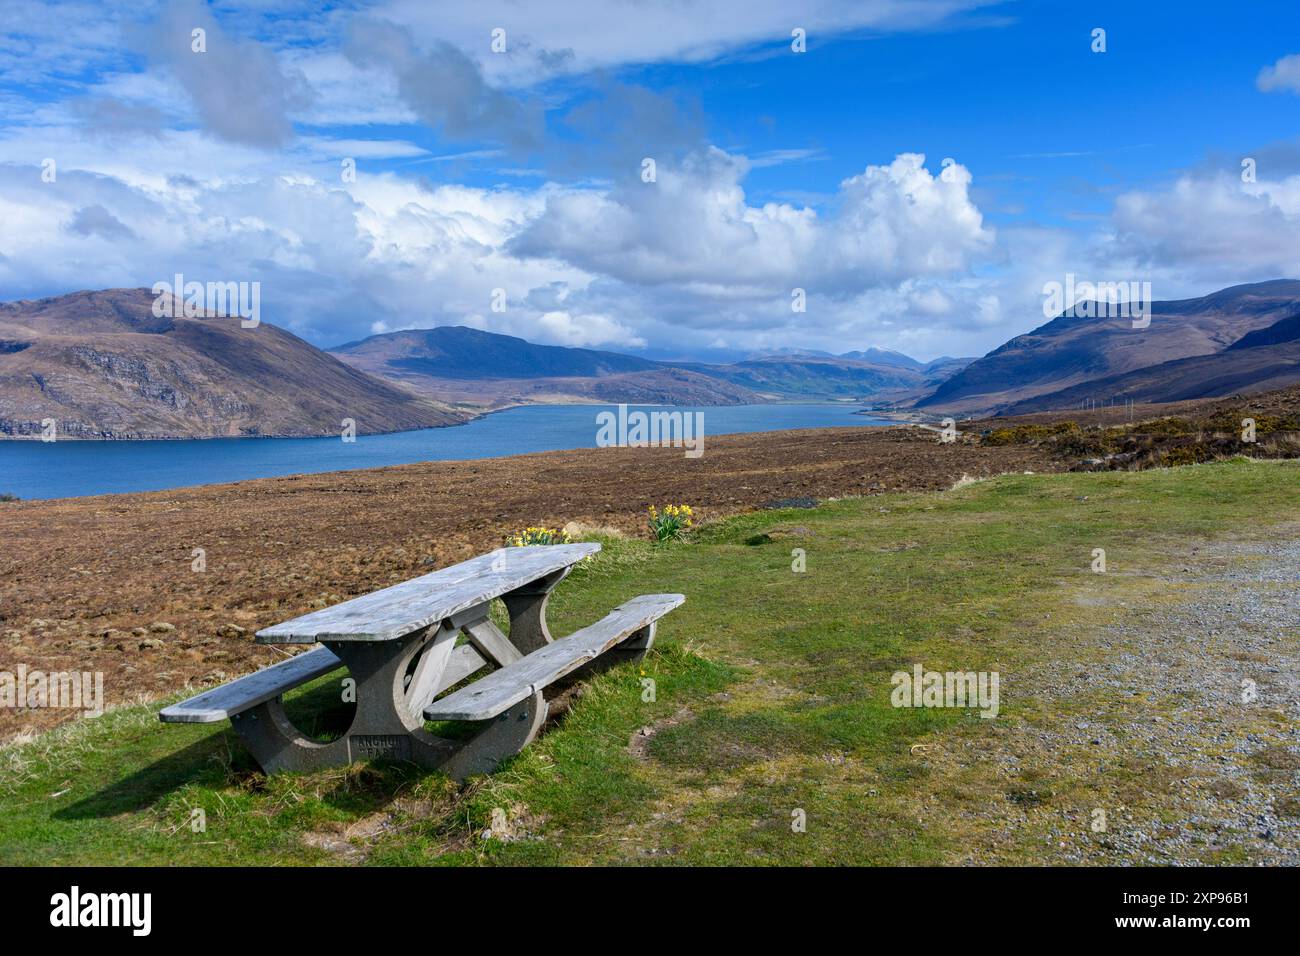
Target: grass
{"x": 771, "y": 697}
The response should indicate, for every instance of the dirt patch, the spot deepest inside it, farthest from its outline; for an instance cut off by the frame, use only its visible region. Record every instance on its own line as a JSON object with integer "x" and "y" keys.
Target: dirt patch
{"x": 515, "y": 822}
{"x": 639, "y": 744}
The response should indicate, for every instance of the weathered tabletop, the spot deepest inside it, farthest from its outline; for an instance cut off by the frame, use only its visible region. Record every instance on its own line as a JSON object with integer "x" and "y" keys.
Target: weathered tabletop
{"x": 407, "y": 607}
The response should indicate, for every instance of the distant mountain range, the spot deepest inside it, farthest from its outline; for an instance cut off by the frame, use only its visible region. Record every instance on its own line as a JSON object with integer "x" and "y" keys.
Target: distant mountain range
{"x": 484, "y": 369}
{"x": 458, "y": 364}
{"x": 103, "y": 366}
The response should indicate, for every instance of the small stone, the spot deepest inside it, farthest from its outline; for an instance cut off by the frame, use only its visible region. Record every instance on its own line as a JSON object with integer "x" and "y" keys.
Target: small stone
{"x": 162, "y": 627}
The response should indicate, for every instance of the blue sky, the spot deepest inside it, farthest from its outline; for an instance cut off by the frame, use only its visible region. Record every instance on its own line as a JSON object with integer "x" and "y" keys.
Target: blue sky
{"x": 480, "y": 170}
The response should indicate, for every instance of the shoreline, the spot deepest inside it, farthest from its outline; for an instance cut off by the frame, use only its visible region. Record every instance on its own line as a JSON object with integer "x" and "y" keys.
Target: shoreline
{"x": 345, "y": 472}
{"x": 475, "y": 416}
{"x": 149, "y": 466}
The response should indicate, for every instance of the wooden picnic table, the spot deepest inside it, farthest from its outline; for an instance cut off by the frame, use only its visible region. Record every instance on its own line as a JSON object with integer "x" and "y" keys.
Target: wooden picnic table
{"x": 403, "y": 647}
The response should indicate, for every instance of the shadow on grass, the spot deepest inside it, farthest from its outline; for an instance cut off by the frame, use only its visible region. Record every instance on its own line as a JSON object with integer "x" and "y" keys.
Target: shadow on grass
{"x": 316, "y": 710}
{"x": 219, "y": 758}
{"x": 206, "y": 758}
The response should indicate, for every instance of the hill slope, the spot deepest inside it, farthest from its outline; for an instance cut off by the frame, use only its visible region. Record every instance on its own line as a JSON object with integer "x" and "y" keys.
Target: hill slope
{"x": 812, "y": 377}
{"x": 103, "y": 366}
{"x": 1072, "y": 349}
{"x": 454, "y": 351}
{"x": 1262, "y": 360}
{"x": 885, "y": 357}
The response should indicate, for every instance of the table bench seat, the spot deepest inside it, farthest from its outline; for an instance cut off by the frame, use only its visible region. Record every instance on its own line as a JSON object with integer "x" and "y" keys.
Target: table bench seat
{"x": 245, "y": 693}
{"x": 502, "y": 689}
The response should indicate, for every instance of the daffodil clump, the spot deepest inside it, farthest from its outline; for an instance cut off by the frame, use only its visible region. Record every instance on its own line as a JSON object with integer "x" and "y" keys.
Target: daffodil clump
{"x": 538, "y": 536}
{"x": 671, "y": 523}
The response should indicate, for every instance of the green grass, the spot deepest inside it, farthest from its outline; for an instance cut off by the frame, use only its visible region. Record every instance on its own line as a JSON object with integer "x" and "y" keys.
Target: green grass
{"x": 772, "y": 697}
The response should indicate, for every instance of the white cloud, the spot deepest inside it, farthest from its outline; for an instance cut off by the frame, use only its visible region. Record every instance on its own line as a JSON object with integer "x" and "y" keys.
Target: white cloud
{"x": 1215, "y": 226}
{"x": 566, "y": 328}
{"x": 693, "y": 229}
{"x": 684, "y": 260}
{"x": 332, "y": 261}
{"x": 240, "y": 90}
{"x": 1282, "y": 75}
{"x": 443, "y": 86}
{"x": 142, "y": 193}
{"x": 544, "y": 37}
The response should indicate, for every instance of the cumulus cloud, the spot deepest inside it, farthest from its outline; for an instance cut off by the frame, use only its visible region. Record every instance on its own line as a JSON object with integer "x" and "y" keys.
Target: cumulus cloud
{"x": 332, "y": 261}
{"x": 1214, "y": 225}
{"x": 567, "y": 328}
{"x": 687, "y": 260}
{"x": 444, "y": 87}
{"x": 693, "y": 227}
{"x": 899, "y": 221}
{"x": 1284, "y": 75}
{"x": 239, "y": 89}
{"x": 610, "y": 132}
{"x": 95, "y": 220}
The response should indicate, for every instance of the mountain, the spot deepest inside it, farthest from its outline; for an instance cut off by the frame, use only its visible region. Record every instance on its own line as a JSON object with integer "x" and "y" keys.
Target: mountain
{"x": 763, "y": 354}
{"x": 943, "y": 368}
{"x": 103, "y": 366}
{"x": 1282, "y": 331}
{"x": 454, "y": 351}
{"x": 485, "y": 369}
{"x": 877, "y": 356}
{"x": 1074, "y": 349}
{"x": 1259, "y": 361}
{"x": 870, "y": 356}
{"x": 813, "y": 377}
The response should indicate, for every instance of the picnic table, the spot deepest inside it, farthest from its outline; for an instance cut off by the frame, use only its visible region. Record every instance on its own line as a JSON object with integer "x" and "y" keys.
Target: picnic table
{"x": 408, "y": 644}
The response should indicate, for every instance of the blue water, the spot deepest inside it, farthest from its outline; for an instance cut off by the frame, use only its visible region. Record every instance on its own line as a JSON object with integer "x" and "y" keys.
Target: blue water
{"x": 62, "y": 469}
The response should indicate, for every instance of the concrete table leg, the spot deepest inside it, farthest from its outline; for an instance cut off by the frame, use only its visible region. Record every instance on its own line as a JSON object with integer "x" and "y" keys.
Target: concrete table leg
{"x": 527, "y": 609}
{"x": 385, "y": 724}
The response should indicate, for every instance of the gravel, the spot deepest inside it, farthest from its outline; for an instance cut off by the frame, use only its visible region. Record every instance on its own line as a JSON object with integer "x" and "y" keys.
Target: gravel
{"x": 1180, "y": 720}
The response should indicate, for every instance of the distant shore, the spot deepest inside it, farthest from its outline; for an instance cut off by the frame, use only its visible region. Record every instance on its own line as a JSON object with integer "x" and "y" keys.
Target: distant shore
{"x": 470, "y": 415}
{"x": 76, "y": 468}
